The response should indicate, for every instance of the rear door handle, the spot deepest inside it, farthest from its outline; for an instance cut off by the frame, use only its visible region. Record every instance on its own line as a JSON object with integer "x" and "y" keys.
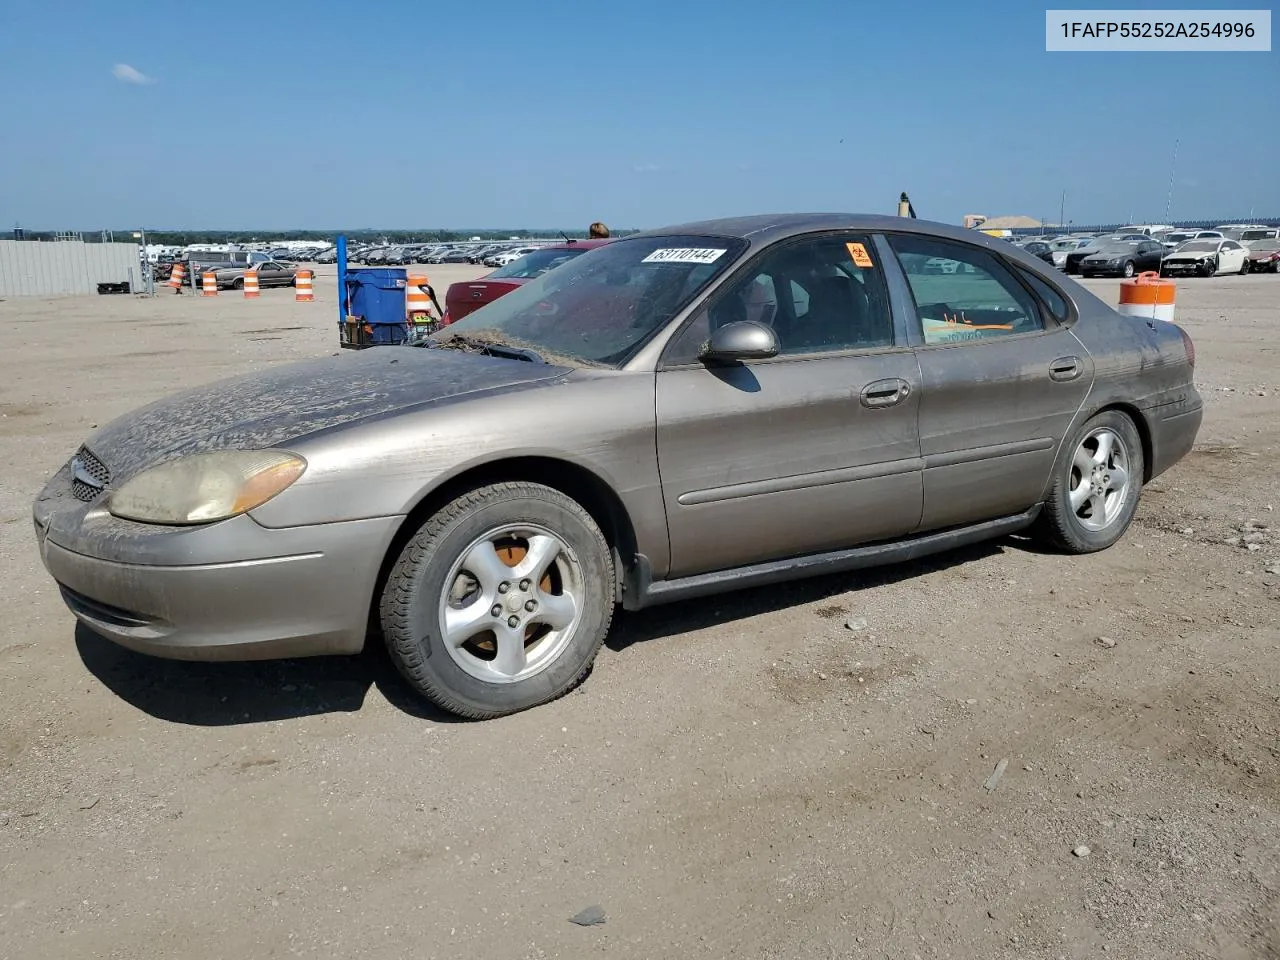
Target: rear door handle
{"x": 1065, "y": 368}
{"x": 885, "y": 393}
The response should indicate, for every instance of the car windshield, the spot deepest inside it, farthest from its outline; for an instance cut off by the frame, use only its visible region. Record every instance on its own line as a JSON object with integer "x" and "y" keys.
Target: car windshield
{"x": 1178, "y": 237}
{"x": 534, "y": 264}
{"x": 604, "y": 304}
{"x": 1115, "y": 246}
{"x": 1199, "y": 246}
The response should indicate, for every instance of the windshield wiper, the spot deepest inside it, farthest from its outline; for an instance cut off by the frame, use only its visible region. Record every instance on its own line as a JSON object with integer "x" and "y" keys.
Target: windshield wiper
{"x": 462, "y": 342}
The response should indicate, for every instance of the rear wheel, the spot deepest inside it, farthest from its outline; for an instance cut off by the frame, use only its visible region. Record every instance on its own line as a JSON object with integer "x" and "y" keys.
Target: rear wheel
{"x": 1096, "y": 486}
{"x": 500, "y": 601}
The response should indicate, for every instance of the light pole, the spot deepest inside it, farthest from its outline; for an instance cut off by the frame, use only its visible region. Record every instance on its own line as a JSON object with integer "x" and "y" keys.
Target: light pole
{"x": 148, "y": 275}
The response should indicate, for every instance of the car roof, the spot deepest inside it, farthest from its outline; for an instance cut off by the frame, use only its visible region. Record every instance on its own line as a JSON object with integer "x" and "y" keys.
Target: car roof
{"x": 762, "y": 229}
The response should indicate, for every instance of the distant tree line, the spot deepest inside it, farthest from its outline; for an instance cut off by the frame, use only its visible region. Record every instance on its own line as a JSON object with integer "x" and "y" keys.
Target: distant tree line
{"x": 181, "y": 238}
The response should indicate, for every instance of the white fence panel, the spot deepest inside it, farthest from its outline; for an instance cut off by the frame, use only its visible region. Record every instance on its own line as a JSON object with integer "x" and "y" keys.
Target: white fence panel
{"x": 32, "y": 268}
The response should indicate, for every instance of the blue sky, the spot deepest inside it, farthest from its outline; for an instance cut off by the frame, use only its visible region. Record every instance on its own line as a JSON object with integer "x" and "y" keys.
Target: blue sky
{"x": 526, "y": 114}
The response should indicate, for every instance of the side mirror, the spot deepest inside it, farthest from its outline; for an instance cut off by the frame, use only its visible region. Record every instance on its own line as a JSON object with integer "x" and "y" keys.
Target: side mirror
{"x": 742, "y": 340}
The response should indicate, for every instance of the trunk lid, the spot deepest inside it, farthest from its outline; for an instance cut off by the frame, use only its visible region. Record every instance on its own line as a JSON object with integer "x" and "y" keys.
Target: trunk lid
{"x": 469, "y": 296}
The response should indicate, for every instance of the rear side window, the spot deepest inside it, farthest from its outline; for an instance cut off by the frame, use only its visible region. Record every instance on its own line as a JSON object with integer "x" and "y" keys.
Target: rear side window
{"x": 1050, "y": 297}
{"x": 963, "y": 293}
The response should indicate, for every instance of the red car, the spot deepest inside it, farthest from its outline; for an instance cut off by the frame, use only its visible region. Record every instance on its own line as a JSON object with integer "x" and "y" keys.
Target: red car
{"x": 469, "y": 296}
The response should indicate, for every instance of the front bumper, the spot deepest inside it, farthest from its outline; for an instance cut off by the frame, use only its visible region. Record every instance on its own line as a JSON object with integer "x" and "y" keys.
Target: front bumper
{"x": 234, "y": 590}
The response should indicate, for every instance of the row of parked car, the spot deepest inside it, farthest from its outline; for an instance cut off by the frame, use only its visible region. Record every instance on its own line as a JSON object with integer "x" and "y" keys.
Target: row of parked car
{"x": 1231, "y": 248}
{"x": 494, "y": 254}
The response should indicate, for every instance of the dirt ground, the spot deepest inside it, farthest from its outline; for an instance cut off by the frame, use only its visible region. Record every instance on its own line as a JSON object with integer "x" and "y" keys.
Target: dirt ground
{"x": 785, "y": 773}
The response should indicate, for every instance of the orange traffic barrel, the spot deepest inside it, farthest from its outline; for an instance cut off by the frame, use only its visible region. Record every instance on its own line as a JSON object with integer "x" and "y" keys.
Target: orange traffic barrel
{"x": 1147, "y": 295}
{"x": 417, "y": 302}
{"x": 208, "y": 284}
{"x": 175, "y": 279}
{"x": 304, "y": 293}
{"x": 251, "y": 283}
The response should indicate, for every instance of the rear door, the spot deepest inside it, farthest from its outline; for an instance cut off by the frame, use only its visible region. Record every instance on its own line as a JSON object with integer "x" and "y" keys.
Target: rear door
{"x": 1002, "y": 379}
{"x": 812, "y": 450}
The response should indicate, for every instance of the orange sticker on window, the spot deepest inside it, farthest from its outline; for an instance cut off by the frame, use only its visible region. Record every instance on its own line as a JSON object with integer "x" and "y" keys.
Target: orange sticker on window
{"x": 859, "y": 254}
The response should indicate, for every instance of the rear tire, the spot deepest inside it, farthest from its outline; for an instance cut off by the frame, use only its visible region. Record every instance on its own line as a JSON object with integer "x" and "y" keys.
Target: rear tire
{"x": 1096, "y": 485}
{"x": 481, "y": 642}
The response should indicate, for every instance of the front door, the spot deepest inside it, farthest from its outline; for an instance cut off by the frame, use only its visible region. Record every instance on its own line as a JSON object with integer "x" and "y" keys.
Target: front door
{"x": 815, "y": 449}
{"x": 1002, "y": 380}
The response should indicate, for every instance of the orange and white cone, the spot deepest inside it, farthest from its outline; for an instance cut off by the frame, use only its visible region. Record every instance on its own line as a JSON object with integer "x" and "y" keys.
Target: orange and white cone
{"x": 305, "y": 293}
{"x": 1148, "y": 295}
{"x": 176, "y": 278}
{"x": 208, "y": 284}
{"x": 250, "y": 284}
{"x": 417, "y": 302}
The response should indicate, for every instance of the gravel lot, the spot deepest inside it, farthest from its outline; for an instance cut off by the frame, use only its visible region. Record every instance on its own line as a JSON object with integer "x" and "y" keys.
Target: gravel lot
{"x": 795, "y": 772}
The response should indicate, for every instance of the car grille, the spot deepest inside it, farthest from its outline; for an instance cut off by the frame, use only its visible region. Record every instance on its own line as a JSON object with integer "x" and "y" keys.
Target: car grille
{"x": 89, "y": 475}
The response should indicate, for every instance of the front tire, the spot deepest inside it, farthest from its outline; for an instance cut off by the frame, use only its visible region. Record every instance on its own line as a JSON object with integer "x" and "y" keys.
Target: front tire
{"x": 1244, "y": 266}
{"x": 1209, "y": 269}
{"x": 500, "y": 601}
{"x": 1096, "y": 487}
{"x": 1128, "y": 270}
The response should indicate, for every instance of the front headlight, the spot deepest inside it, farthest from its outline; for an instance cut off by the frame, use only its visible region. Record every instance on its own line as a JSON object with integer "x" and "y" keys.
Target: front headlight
{"x": 1113, "y": 262}
{"x": 206, "y": 487}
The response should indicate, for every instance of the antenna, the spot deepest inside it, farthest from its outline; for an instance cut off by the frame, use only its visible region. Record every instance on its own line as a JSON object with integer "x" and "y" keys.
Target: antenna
{"x": 1173, "y": 169}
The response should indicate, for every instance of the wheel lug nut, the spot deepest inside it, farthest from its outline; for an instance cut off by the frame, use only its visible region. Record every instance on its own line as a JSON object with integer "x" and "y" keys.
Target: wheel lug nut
{"x": 513, "y": 621}
{"x": 497, "y": 610}
{"x": 531, "y": 605}
{"x": 525, "y": 584}
{"x": 503, "y": 587}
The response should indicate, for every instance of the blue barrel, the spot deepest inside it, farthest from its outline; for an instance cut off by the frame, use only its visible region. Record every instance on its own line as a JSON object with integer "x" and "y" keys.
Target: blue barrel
{"x": 376, "y": 296}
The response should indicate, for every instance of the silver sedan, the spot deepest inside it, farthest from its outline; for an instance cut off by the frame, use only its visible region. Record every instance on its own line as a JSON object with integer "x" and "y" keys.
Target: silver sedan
{"x": 689, "y": 410}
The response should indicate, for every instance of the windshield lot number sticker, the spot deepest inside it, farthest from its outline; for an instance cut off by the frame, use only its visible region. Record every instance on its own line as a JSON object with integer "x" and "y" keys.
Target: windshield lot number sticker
{"x": 684, "y": 255}
{"x": 859, "y": 254}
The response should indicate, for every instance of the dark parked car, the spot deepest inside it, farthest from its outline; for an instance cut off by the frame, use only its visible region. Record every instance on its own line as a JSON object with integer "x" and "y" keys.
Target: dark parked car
{"x": 1122, "y": 258}
{"x": 718, "y": 405}
{"x": 1041, "y": 249}
{"x": 467, "y": 296}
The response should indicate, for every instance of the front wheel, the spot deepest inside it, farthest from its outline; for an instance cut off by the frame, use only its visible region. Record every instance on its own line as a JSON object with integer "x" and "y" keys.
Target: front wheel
{"x": 1209, "y": 269}
{"x": 1244, "y": 267}
{"x": 1096, "y": 485}
{"x": 1128, "y": 269}
{"x": 500, "y": 601}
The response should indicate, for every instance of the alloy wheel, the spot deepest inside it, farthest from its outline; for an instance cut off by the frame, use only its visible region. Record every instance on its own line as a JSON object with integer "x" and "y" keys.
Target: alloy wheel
{"x": 511, "y": 603}
{"x": 1099, "y": 483}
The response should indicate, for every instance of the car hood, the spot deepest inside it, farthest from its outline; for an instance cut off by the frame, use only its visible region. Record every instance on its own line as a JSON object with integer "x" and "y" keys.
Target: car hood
{"x": 1189, "y": 255}
{"x": 281, "y": 405}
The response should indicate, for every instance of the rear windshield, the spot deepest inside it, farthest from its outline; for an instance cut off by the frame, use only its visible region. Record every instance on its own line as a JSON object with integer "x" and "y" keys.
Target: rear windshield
{"x": 534, "y": 264}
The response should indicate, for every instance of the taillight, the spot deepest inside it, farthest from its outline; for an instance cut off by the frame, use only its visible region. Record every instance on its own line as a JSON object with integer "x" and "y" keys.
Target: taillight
{"x": 1191, "y": 348}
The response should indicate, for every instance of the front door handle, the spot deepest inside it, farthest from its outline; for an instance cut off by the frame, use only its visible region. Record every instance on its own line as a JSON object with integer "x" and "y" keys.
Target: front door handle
{"x": 885, "y": 393}
{"x": 1065, "y": 368}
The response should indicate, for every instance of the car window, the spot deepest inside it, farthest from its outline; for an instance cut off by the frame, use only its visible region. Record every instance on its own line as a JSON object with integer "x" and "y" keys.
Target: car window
{"x": 820, "y": 295}
{"x": 534, "y": 264}
{"x": 962, "y": 292}
{"x": 602, "y": 306}
{"x": 1232, "y": 245}
{"x": 1052, "y": 300}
